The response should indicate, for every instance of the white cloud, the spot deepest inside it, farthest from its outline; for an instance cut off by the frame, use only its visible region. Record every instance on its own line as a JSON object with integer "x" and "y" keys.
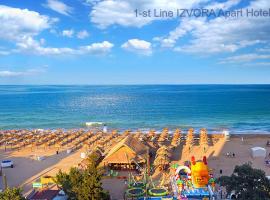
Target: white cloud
{"x": 186, "y": 26}
{"x": 138, "y": 46}
{"x": 4, "y": 53}
{"x": 219, "y": 35}
{"x": 223, "y": 5}
{"x": 260, "y": 64}
{"x": 110, "y": 12}
{"x": 59, "y": 7}
{"x": 97, "y": 48}
{"x": 21, "y": 26}
{"x": 245, "y": 58}
{"x": 121, "y": 12}
{"x": 19, "y": 23}
{"x": 29, "y": 45}
{"x": 10, "y": 74}
{"x": 266, "y": 50}
{"x": 68, "y": 33}
{"x": 82, "y": 34}
{"x": 91, "y": 2}
{"x": 30, "y": 72}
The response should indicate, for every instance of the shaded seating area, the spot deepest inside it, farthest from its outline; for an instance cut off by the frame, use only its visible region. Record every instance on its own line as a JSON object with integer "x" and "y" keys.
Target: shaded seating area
{"x": 128, "y": 154}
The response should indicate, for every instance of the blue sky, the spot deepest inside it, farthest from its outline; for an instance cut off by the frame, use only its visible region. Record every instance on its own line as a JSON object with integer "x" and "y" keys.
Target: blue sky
{"x": 103, "y": 42}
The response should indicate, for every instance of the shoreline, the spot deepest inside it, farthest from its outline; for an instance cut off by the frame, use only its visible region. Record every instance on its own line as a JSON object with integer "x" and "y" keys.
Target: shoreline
{"x": 142, "y": 130}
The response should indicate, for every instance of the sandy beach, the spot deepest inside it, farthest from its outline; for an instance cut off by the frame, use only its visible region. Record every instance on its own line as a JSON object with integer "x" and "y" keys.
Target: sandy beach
{"x": 27, "y": 168}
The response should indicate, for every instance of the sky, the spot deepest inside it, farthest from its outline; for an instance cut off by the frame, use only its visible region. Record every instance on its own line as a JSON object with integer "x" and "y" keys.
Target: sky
{"x": 104, "y": 42}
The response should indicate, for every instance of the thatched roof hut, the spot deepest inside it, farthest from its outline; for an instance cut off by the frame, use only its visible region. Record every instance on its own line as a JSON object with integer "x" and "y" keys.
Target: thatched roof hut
{"x": 127, "y": 151}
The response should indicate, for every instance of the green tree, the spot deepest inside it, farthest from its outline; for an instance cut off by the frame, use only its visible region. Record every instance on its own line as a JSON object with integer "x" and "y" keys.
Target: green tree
{"x": 12, "y": 193}
{"x": 247, "y": 182}
{"x": 67, "y": 182}
{"x": 91, "y": 187}
{"x": 83, "y": 184}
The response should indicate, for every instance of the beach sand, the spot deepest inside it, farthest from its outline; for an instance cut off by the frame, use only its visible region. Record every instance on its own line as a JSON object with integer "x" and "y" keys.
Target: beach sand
{"x": 217, "y": 158}
{"x": 27, "y": 168}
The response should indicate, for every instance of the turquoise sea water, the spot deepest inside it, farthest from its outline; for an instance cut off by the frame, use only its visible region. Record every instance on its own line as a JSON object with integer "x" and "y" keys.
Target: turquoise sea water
{"x": 240, "y": 108}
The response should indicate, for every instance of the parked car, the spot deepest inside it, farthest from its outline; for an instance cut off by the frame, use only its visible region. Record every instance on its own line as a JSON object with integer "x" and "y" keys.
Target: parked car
{"x": 7, "y": 163}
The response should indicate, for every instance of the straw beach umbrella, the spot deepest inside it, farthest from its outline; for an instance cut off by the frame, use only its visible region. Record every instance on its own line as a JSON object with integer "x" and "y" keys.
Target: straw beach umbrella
{"x": 163, "y": 154}
{"x": 177, "y": 134}
{"x": 203, "y": 139}
{"x": 161, "y": 162}
{"x": 126, "y": 133}
{"x": 162, "y": 148}
{"x": 176, "y": 138}
{"x": 190, "y": 138}
{"x": 151, "y": 134}
{"x": 161, "y": 139}
{"x": 164, "y": 135}
{"x": 137, "y": 135}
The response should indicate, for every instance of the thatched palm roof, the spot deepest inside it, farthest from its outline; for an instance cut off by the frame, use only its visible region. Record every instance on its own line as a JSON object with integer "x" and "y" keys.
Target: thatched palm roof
{"x": 164, "y": 154}
{"x": 161, "y": 160}
{"x": 203, "y": 137}
{"x": 161, "y": 139}
{"x": 177, "y": 134}
{"x": 175, "y": 142}
{"x": 151, "y": 133}
{"x": 163, "y": 147}
{"x": 126, "y": 150}
{"x": 190, "y": 137}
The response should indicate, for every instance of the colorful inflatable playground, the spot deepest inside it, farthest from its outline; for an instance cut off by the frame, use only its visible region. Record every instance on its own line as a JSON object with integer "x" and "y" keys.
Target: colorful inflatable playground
{"x": 190, "y": 181}
{"x": 193, "y": 181}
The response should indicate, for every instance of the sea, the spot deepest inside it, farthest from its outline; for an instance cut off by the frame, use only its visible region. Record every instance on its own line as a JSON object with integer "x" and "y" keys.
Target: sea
{"x": 237, "y": 108}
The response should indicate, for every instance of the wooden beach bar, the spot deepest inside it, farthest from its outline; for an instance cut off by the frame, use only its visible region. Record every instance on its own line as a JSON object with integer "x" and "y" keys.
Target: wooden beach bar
{"x": 128, "y": 154}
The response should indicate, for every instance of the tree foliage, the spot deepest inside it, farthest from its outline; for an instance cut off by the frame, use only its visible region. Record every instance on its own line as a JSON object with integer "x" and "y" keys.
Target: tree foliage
{"x": 83, "y": 184}
{"x": 247, "y": 182}
{"x": 12, "y": 193}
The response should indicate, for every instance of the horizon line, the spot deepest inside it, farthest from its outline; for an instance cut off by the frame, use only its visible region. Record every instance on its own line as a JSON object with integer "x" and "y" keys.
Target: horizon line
{"x": 133, "y": 84}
